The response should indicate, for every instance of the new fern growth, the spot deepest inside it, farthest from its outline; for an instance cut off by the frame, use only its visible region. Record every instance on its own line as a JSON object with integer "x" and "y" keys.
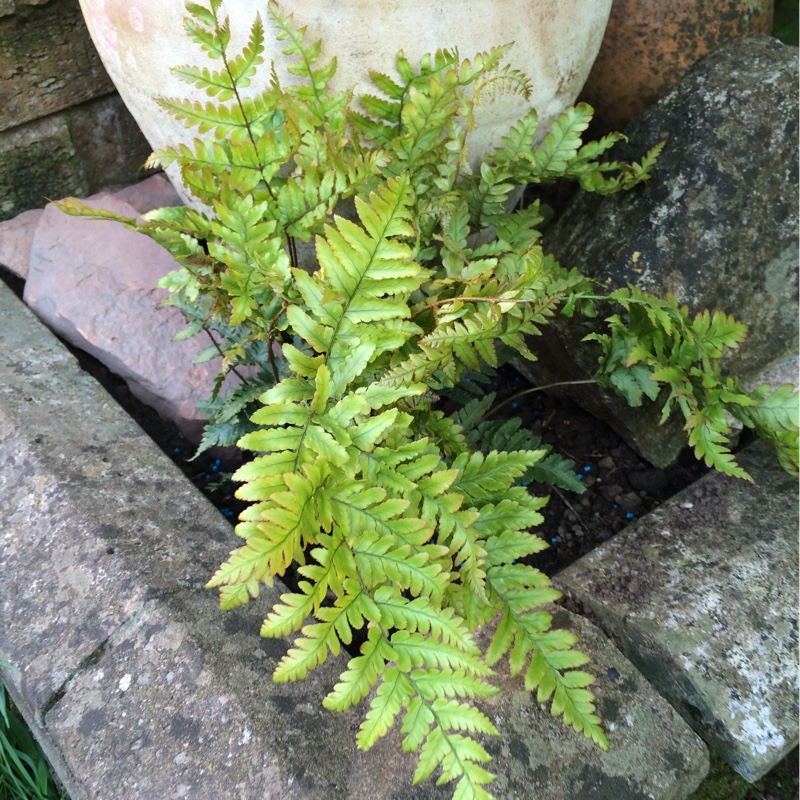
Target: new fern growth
{"x": 405, "y": 524}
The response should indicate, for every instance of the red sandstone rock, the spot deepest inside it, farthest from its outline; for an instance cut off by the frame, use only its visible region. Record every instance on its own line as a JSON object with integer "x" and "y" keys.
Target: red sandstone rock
{"x": 16, "y": 236}
{"x": 94, "y": 283}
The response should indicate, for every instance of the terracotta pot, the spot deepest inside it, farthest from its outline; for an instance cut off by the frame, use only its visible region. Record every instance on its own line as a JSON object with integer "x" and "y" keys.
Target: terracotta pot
{"x": 650, "y": 44}
{"x": 556, "y": 43}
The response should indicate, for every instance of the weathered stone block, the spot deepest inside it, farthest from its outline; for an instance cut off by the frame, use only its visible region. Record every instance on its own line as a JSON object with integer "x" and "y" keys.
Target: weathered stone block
{"x": 105, "y": 551}
{"x": 717, "y": 225}
{"x": 108, "y": 142}
{"x": 47, "y": 63}
{"x": 38, "y": 161}
{"x": 702, "y": 596}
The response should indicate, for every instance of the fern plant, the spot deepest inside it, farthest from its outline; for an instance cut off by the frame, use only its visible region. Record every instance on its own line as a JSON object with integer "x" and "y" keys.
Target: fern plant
{"x": 405, "y": 524}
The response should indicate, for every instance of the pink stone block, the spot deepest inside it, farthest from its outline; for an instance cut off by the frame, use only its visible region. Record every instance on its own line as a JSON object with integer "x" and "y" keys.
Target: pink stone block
{"x": 16, "y": 237}
{"x": 94, "y": 283}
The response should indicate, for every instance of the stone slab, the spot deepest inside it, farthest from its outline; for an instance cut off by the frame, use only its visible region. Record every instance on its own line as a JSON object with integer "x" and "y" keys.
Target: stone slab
{"x": 702, "y": 596}
{"x": 132, "y": 678}
{"x": 99, "y": 531}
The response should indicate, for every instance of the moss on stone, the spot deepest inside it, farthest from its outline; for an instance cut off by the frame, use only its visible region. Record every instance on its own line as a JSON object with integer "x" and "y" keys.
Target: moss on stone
{"x": 722, "y": 783}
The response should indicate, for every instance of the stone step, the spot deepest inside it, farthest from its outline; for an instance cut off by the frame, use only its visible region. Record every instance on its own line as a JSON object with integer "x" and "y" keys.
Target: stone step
{"x": 139, "y": 687}
{"x": 702, "y": 596}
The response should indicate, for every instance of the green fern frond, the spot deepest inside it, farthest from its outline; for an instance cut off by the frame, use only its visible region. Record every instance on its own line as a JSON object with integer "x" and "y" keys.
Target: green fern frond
{"x": 485, "y": 477}
{"x": 393, "y": 691}
{"x": 419, "y": 616}
{"x": 561, "y": 145}
{"x": 362, "y": 673}
{"x": 546, "y": 656}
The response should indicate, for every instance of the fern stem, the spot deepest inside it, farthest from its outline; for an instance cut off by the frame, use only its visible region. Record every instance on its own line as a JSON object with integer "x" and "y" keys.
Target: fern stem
{"x": 270, "y": 339}
{"x": 222, "y": 352}
{"x": 235, "y": 87}
{"x": 535, "y": 389}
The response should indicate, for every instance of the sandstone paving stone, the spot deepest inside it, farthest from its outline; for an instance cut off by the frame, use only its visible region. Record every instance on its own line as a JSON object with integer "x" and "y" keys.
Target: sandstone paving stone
{"x": 702, "y": 596}
{"x": 132, "y": 678}
{"x": 82, "y": 489}
{"x": 99, "y": 530}
{"x": 94, "y": 283}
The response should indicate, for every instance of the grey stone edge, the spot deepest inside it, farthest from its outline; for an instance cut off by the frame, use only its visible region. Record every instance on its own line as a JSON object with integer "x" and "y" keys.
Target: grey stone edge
{"x": 702, "y": 595}
{"x": 138, "y": 686}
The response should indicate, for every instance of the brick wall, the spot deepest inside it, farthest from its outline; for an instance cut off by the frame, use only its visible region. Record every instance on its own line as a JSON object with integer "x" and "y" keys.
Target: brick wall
{"x": 63, "y": 128}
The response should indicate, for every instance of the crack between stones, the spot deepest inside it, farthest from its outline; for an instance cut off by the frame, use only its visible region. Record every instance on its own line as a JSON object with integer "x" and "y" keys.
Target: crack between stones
{"x": 95, "y": 656}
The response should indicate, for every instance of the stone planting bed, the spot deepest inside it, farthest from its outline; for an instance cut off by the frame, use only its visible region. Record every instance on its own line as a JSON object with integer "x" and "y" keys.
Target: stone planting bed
{"x": 132, "y": 678}
{"x": 137, "y": 686}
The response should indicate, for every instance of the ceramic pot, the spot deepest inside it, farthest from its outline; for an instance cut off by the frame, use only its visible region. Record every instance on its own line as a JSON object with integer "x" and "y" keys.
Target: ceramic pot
{"x": 649, "y": 45}
{"x": 555, "y": 43}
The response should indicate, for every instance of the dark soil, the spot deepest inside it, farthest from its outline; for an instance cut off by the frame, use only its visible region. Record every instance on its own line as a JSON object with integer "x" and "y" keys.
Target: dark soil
{"x": 620, "y": 484}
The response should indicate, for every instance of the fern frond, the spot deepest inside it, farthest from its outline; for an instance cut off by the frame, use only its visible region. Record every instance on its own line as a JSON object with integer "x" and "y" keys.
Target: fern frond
{"x": 484, "y": 477}
{"x": 562, "y": 143}
{"x": 418, "y": 616}
{"x": 380, "y": 560}
{"x": 552, "y": 668}
{"x": 312, "y": 95}
{"x": 456, "y": 754}
{"x": 707, "y": 435}
{"x": 393, "y": 692}
{"x": 414, "y": 650}
{"x": 432, "y": 684}
{"x": 362, "y": 673}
